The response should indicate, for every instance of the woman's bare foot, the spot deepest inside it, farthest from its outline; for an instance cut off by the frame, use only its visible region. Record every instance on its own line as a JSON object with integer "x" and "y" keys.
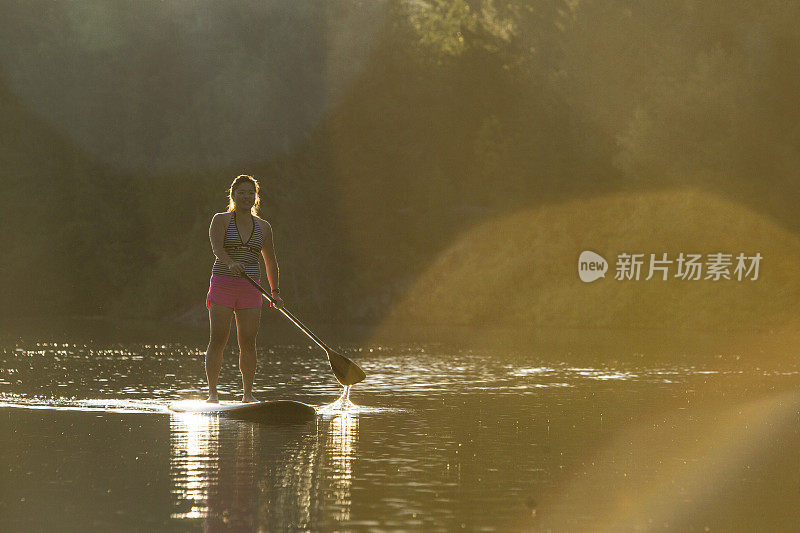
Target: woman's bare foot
{"x": 249, "y": 399}
{"x": 213, "y": 397}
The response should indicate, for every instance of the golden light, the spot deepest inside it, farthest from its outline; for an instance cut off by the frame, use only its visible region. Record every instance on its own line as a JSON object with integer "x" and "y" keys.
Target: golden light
{"x": 194, "y": 447}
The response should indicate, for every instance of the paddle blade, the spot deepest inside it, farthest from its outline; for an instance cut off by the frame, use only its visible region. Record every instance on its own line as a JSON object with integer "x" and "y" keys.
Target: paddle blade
{"x": 346, "y": 371}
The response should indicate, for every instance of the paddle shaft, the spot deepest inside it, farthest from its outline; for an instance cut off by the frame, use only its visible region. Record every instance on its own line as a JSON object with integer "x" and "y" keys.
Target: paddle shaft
{"x": 290, "y": 316}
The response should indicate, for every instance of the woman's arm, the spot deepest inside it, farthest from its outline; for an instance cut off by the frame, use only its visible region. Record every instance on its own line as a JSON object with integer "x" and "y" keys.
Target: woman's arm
{"x": 216, "y": 233}
{"x": 271, "y": 262}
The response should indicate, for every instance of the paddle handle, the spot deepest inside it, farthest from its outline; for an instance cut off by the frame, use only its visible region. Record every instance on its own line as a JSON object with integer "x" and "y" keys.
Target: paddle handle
{"x": 294, "y": 320}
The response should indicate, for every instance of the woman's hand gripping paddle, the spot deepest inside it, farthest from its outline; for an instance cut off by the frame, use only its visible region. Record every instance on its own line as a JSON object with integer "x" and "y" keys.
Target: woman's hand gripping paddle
{"x": 346, "y": 371}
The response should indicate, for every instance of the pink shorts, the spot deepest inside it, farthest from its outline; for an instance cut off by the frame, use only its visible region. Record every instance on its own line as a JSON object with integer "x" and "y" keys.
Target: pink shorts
{"x": 236, "y": 293}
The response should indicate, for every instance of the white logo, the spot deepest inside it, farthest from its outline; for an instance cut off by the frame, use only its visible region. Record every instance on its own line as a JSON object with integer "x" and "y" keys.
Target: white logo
{"x": 716, "y": 266}
{"x": 591, "y": 266}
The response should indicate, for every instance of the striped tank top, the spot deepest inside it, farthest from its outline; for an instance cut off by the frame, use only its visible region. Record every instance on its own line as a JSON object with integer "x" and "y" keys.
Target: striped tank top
{"x": 246, "y": 253}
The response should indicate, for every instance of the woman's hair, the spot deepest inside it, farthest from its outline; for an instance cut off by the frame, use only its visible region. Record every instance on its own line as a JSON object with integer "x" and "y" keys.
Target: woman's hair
{"x": 243, "y": 178}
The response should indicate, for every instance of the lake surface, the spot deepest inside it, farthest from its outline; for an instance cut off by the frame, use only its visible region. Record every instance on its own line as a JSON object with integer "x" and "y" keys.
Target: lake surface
{"x": 436, "y": 439}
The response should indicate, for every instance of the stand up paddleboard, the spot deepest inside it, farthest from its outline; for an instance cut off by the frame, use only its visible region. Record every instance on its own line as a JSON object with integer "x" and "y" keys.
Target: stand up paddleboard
{"x": 276, "y": 412}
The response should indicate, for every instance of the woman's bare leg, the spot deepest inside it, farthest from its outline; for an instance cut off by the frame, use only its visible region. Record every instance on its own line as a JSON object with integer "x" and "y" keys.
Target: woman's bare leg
{"x": 247, "y": 321}
{"x": 219, "y": 319}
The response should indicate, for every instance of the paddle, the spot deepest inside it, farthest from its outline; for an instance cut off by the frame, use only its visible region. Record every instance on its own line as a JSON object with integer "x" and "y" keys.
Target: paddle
{"x": 346, "y": 371}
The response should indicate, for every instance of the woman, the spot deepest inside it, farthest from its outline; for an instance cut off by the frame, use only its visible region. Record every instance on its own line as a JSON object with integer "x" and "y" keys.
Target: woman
{"x": 237, "y": 237}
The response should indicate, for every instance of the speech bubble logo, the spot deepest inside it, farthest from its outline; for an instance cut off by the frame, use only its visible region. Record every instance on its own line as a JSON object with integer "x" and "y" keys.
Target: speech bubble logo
{"x": 591, "y": 266}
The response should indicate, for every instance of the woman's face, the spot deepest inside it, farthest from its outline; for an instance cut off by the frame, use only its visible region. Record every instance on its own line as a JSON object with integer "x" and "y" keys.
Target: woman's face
{"x": 244, "y": 195}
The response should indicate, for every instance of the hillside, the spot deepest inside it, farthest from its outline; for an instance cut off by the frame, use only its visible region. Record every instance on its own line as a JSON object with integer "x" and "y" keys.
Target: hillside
{"x": 520, "y": 270}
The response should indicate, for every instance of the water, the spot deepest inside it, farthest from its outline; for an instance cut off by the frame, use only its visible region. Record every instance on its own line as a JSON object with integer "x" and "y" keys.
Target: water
{"x": 436, "y": 439}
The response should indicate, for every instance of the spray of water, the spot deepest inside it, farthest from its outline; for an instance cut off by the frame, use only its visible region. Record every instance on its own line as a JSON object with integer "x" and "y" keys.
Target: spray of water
{"x": 342, "y": 404}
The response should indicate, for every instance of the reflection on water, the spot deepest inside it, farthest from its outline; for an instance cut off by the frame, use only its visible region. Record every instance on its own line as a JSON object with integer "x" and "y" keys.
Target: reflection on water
{"x": 287, "y": 497}
{"x": 194, "y": 464}
{"x": 433, "y": 440}
{"x": 233, "y": 474}
{"x": 340, "y": 448}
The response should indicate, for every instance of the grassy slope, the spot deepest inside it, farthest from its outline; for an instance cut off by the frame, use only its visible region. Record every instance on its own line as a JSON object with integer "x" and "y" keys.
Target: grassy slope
{"x": 521, "y": 270}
